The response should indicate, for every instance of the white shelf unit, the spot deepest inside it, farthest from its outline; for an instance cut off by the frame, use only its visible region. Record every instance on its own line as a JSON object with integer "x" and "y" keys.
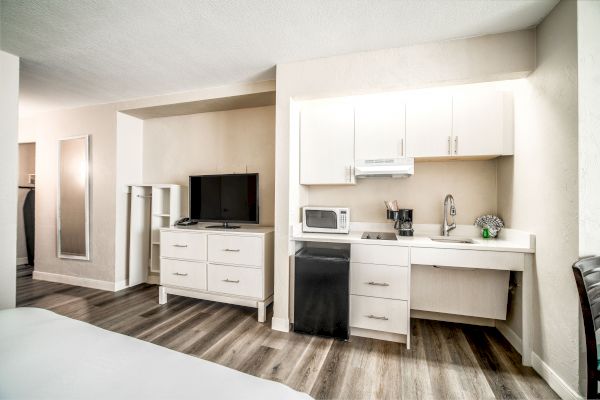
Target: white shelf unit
{"x": 166, "y": 210}
{"x": 152, "y": 208}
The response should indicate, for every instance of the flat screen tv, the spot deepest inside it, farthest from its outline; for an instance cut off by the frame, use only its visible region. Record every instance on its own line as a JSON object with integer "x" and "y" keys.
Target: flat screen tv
{"x": 224, "y": 198}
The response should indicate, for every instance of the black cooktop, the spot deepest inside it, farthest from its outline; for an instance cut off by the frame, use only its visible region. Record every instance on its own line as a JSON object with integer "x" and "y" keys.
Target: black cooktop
{"x": 379, "y": 236}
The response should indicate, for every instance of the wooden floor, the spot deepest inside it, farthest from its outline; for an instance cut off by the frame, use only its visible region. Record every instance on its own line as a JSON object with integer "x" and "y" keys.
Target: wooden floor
{"x": 446, "y": 361}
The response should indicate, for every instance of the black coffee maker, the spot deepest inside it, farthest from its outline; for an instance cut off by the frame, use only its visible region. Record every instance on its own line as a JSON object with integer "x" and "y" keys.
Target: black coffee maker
{"x": 403, "y": 221}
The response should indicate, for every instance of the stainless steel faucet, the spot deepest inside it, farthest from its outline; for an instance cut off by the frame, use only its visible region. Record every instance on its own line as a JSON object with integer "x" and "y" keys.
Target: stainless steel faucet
{"x": 446, "y": 228}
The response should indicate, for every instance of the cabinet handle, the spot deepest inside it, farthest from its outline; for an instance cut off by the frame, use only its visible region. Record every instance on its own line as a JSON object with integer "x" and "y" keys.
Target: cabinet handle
{"x": 402, "y": 147}
{"x": 456, "y": 145}
{"x": 230, "y": 281}
{"x": 179, "y": 274}
{"x": 180, "y": 245}
{"x": 449, "y": 145}
{"x": 376, "y": 317}
{"x": 232, "y": 250}
{"x": 378, "y": 284}
{"x": 149, "y": 196}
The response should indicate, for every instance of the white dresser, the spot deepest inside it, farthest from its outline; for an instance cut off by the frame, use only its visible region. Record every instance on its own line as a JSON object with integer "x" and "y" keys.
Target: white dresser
{"x": 226, "y": 265}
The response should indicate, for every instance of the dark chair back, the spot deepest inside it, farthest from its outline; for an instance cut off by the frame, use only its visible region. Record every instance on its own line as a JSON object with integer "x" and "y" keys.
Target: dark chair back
{"x": 587, "y": 278}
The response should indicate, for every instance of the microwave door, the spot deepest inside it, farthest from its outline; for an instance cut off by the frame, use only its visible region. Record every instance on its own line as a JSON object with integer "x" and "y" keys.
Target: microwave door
{"x": 321, "y": 219}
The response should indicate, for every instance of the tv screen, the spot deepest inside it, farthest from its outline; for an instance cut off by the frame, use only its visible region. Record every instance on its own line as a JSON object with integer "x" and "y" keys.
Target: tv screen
{"x": 224, "y": 198}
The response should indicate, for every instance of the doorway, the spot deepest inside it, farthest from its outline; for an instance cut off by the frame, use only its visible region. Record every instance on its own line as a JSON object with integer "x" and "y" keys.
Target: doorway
{"x": 26, "y": 210}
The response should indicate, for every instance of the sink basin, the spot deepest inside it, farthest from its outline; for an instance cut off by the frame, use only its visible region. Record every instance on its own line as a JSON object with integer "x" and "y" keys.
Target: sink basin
{"x": 450, "y": 239}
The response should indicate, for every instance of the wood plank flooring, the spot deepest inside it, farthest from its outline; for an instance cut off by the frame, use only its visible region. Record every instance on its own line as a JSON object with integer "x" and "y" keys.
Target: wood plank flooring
{"x": 446, "y": 361}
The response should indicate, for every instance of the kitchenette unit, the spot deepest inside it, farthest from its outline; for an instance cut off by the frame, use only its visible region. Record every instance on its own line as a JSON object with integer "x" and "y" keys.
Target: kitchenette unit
{"x": 349, "y": 151}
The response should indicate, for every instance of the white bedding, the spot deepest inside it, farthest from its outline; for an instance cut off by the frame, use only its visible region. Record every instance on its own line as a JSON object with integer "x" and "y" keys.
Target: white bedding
{"x": 44, "y": 355}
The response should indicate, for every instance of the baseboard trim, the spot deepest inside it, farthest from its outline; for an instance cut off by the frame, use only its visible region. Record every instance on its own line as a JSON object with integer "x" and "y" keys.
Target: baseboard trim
{"x": 22, "y": 261}
{"x": 556, "y": 383}
{"x": 74, "y": 280}
{"x": 510, "y": 335}
{"x": 280, "y": 324}
{"x": 120, "y": 285}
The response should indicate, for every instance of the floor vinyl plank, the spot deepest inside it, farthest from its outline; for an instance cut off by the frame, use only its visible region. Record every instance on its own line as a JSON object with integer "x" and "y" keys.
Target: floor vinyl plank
{"x": 446, "y": 361}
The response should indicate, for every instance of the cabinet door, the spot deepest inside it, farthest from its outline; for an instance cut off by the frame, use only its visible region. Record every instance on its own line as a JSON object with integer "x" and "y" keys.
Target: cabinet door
{"x": 429, "y": 126}
{"x": 380, "y": 131}
{"x": 327, "y": 144}
{"x": 478, "y": 123}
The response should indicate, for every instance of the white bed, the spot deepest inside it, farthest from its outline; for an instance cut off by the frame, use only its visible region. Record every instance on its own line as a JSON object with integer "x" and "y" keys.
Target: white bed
{"x": 44, "y": 355}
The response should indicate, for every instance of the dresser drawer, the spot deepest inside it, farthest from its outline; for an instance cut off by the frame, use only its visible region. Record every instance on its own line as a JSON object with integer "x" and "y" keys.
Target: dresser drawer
{"x": 377, "y": 254}
{"x": 379, "y": 314}
{"x": 190, "y": 246}
{"x": 387, "y": 281}
{"x": 240, "y": 281}
{"x": 186, "y": 274}
{"x": 241, "y": 250}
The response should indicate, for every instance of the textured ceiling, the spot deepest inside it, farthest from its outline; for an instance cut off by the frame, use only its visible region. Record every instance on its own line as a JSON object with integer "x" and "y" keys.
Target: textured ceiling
{"x": 77, "y": 52}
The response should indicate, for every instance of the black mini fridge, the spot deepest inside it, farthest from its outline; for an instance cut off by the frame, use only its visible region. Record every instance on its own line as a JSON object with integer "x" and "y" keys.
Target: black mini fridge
{"x": 321, "y": 291}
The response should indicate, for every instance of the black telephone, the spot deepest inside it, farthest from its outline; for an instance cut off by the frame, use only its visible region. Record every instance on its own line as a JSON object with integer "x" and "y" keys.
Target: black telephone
{"x": 186, "y": 221}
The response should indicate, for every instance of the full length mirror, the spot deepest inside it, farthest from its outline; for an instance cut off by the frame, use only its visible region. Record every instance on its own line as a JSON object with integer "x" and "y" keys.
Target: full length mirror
{"x": 73, "y": 198}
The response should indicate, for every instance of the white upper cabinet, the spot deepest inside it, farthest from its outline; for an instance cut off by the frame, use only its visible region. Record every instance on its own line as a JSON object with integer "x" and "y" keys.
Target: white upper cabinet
{"x": 482, "y": 123}
{"x": 327, "y": 143}
{"x": 380, "y": 130}
{"x": 429, "y": 125}
{"x": 464, "y": 122}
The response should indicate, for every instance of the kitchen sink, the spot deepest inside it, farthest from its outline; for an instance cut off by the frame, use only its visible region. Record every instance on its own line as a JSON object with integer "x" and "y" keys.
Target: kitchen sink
{"x": 449, "y": 239}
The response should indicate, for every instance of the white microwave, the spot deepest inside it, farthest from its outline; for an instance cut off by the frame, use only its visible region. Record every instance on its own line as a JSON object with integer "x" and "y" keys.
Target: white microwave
{"x": 326, "y": 219}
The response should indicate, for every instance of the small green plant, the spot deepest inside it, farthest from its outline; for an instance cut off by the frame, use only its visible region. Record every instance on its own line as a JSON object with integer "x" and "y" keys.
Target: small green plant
{"x": 490, "y": 225}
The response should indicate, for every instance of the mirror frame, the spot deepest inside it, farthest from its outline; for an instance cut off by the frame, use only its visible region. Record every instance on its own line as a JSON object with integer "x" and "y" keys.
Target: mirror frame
{"x": 59, "y": 253}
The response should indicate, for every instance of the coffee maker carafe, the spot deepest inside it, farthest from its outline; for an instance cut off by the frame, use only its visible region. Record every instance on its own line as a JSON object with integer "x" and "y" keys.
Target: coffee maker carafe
{"x": 404, "y": 221}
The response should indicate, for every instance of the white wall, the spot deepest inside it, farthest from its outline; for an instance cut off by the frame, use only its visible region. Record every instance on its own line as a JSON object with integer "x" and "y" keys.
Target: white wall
{"x": 538, "y": 188}
{"x": 100, "y": 123}
{"x": 232, "y": 141}
{"x": 472, "y": 183}
{"x": 588, "y": 51}
{"x": 480, "y": 59}
{"x": 9, "y": 106}
{"x": 588, "y": 76}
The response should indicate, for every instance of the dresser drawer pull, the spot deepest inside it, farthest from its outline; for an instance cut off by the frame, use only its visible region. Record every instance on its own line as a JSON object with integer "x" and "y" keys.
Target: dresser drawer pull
{"x": 230, "y": 281}
{"x": 233, "y": 250}
{"x": 378, "y": 284}
{"x": 376, "y": 317}
{"x": 179, "y": 274}
{"x": 180, "y": 245}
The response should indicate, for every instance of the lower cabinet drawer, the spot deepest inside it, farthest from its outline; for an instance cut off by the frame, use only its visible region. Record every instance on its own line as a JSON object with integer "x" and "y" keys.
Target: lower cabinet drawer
{"x": 187, "y": 274}
{"x": 379, "y": 314}
{"x": 240, "y": 281}
{"x": 386, "y": 281}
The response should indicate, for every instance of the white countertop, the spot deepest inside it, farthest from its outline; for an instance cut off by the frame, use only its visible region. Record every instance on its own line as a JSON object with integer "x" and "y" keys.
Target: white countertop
{"x": 252, "y": 229}
{"x": 509, "y": 240}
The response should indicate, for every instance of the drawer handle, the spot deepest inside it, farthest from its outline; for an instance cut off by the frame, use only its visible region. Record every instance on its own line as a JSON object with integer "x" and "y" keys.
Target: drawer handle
{"x": 180, "y": 245}
{"x": 376, "y": 317}
{"x": 230, "y": 281}
{"x": 233, "y": 250}
{"x": 378, "y": 284}
{"x": 179, "y": 274}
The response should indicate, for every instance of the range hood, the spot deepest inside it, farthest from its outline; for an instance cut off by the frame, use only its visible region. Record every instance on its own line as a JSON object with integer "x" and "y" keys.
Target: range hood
{"x": 390, "y": 167}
